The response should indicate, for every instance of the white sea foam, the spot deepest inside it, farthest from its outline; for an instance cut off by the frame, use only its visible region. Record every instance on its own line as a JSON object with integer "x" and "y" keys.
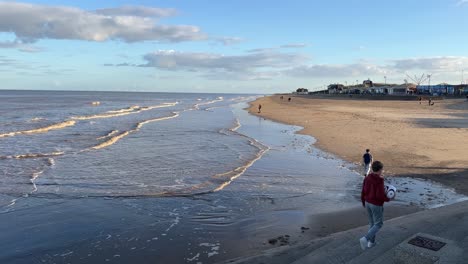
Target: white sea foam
{"x": 123, "y": 112}
{"x": 37, "y": 119}
{"x": 35, "y": 175}
{"x": 33, "y": 155}
{"x": 112, "y": 140}
{"x": 236, "y": 126}
{"x": 197, "y": 106}
{"x": 214, "y": 248}
{"x": 113, "y": 132}
{"x": 219, "y": 181}
{"x": 40, "y": 130}
{"x": 237, "y": 172}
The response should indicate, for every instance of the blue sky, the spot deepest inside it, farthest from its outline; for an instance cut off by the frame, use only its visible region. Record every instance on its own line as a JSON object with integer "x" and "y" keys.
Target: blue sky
{"x": 229, "y": 46}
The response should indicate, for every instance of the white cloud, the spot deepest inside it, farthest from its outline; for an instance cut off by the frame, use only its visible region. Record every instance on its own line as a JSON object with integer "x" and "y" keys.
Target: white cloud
{"x": 252, "y": 66}
{"x": 294, "y": 45}
{"x": 432, "y": 64}
{"x": 448, "y": 64}
{"x": 173, "y": 60}
{"x": 139, "y": 11}
{"x": 338, "y": 70}
{"x": 19, "y": 45}
{"x": 285, "y": 46}
{"x": 262, "y": 50}
{"x": 7, "y": 62}
{"x": 251, "y": 76}
{"x": 227, "y": 41}
{"x": 462, "y": 2}
{"x": 30, "y": 22}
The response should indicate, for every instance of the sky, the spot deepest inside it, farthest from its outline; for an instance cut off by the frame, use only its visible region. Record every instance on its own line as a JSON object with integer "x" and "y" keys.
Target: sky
{"x": 240, "y": 46}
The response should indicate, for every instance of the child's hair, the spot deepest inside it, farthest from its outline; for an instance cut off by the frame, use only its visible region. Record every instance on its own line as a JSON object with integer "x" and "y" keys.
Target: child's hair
{"x": 376, "y": 166}
{"x": 367, "y": 150}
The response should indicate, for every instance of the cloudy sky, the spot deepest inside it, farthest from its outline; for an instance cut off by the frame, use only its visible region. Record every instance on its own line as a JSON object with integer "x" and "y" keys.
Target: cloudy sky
{"x": 254, "y": 46}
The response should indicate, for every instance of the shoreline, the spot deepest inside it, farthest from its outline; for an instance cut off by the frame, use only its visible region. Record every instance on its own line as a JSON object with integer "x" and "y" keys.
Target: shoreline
{"x": 413, "y": 140}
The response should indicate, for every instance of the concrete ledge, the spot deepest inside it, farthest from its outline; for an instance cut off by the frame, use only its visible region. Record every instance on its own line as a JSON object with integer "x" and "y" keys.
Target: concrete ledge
{"x": 411, "y": 254}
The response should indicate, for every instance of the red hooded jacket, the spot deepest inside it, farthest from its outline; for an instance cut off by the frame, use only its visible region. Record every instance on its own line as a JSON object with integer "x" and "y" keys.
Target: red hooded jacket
{"x": 373, "y": 190}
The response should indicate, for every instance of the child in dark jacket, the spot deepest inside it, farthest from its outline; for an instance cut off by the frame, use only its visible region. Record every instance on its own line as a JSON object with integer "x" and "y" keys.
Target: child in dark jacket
{"x": 373, "y": 197}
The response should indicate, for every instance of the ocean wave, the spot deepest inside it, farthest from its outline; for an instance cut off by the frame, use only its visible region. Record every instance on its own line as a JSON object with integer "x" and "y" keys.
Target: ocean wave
{"x": 219, "y": 99}
{"x": 138, "y": 126}
{"x": 123, "y": 112}
{"x": 236, "y": 126}
{"x": 220, "y": 181}
{"x": 112, "y": 140}
{"x": 111, "y": 133}
{"x": 230, "y": 176}
{"x": 40, "y": 130}
{"x": 37, "y": 119}
{"x": 33, "y": 155}
{"x": 141, "y": 124}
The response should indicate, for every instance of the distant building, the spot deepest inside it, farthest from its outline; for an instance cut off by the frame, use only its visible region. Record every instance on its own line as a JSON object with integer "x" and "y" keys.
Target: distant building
{"x": 302, "y": 91}
{"x": 335, "y": 88}
{"x": 368, "y": 83}
{"x": 439, "y": 89}
{"x": 461, "y": 89}
{"x": 402, "y": 89}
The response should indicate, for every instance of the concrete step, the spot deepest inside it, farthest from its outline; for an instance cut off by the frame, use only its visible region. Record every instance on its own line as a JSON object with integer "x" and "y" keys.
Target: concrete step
{"x": 449, "y": 223}
{"x": 393, "y": 237}
{"x": 281, "y": 255}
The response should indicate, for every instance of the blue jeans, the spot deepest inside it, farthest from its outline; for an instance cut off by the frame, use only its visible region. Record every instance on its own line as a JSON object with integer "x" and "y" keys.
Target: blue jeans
{"x": 367, "y": 167}
{"x": 375, "y": 214}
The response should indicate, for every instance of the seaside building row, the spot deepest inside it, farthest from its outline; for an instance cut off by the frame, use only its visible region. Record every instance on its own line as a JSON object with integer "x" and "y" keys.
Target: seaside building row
{"x": 368, "y": 87}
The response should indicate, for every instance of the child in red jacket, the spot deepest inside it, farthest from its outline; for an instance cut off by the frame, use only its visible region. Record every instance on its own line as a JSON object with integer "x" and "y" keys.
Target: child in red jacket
{"x": 373, "y": 197}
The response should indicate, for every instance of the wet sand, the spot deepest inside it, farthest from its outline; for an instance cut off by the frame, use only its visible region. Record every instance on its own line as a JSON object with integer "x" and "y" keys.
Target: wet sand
{"x": 412, "y": 139}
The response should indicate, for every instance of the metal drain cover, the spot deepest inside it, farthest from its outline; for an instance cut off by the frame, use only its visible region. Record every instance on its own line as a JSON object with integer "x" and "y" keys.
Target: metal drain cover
{"x": 428, "y": 243}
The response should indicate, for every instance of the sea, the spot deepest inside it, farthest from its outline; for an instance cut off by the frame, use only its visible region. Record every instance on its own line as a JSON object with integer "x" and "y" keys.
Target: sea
{"x": 120, "y": 177}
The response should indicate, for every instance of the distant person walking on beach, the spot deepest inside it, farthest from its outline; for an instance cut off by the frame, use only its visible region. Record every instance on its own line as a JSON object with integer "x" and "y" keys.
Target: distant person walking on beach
{"x": 373, "y": 197}
{"x": 281, "y": 97}
{"x": 289, "y": 99}
{"x": 259, "y": 108}
{"x": 420, "y": 99}
{"x": 367, "y": 161}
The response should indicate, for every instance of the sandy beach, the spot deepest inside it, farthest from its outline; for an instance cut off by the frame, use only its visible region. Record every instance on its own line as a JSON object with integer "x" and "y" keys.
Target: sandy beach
{"x": 411, "y": 139}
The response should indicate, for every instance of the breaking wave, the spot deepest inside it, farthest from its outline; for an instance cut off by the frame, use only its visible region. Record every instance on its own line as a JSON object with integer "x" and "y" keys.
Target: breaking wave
{"x": 118, "y": 137}
{"x": 123, "y": 112}
{"x": 219, "y": 181}
{"x": 40, "y": 130}
{"x": 33, "y": 155}
{"x": 113, "y": 132}
{"x": 219, "y": 99}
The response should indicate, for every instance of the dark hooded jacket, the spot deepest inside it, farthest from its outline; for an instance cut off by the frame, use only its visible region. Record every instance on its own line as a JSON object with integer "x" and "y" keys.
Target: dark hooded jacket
{"x": 373, "y": 190}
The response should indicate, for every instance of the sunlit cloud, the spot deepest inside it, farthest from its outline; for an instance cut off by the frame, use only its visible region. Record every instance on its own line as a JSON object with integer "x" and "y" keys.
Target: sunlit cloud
{"x": 30, "y": 22}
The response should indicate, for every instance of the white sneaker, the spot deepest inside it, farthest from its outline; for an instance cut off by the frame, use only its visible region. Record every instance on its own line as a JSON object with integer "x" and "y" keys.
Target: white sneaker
{"x": 363, "y": 242}
{"x": 370, "y": 244}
